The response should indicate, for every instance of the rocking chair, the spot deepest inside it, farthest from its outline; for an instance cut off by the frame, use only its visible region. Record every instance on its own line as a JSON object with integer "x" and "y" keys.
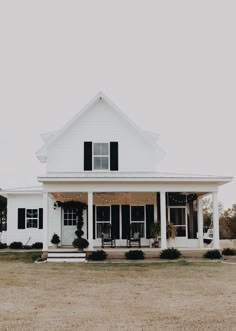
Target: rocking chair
{"x": 108, "y": 240}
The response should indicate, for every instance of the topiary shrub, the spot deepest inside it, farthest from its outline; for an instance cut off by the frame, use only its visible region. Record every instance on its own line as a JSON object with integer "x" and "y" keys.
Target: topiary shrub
{"x": 98, "y": 255}
{"x": 170, "y": 254}
{"x": 212, "y": 254}
{"x": 80, "y": 243}
{"x": 37, "y": 245}
{"x": 135, "y": 255}
{"x": 229, "y": 251}
{"x": 2, "y": 246}
{"x": 16, "y": 245}
{"x": 55, "y": 239}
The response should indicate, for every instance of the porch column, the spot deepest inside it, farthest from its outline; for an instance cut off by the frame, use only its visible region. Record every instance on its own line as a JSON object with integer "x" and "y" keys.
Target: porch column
{"x": 200, "y": 221}
{"x": 163, "y": 219}
{"x": 45, "y": 221}
{"x": 216, "y": 235}
{"x": 90, "y": 220}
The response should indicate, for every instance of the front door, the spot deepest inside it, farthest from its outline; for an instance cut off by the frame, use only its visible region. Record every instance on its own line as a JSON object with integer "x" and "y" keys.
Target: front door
{"x": 69, "y": 221}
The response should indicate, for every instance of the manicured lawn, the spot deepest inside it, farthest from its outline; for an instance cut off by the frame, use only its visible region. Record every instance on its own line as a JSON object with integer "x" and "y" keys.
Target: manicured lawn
{"x": 159, "y": 296}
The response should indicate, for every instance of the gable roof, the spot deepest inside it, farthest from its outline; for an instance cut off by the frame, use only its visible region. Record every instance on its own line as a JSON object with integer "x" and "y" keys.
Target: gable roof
{"x": 50, "y": 138}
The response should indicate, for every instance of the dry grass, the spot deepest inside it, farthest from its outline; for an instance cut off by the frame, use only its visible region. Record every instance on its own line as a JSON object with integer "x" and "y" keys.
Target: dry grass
{"x": 157, "y": 296}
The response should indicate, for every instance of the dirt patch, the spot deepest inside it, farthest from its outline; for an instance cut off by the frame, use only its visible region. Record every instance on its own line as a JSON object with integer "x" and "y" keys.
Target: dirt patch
{"x": 182, "y": 296}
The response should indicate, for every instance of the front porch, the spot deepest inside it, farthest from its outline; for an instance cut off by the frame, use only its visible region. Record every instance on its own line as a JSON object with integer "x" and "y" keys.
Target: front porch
{"x": 121, "y": 214}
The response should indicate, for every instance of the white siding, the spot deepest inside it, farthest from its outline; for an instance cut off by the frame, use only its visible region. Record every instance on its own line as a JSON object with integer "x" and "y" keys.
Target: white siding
{"x": 29, "y": 235}
{"x": 101, "y": 123}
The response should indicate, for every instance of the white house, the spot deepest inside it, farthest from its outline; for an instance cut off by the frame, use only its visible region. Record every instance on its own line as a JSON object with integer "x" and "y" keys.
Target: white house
{"x": 105, "y": 160}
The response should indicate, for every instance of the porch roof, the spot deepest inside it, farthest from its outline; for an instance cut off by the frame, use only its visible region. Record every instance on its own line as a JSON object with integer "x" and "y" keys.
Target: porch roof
{"x": 131, "y": 177}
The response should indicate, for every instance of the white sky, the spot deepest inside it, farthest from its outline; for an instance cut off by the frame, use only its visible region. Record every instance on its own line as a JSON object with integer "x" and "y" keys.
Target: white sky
{"x": 170, "y": 65}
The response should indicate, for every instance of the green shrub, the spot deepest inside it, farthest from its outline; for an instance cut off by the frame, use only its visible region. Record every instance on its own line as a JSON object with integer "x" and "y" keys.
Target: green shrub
{"x": 229, "y": 251}
{"x": 170, "y": 254}
{"x": 2, "y": 246}
{"x": 98, "y": 255}
{"x": 37, "y": 245}
{"x": 134, "y": 255}
{"x": 212, "y": 254}
{"x": 80, "y": 243}
{"x": 16, "y": 245}
{"x": 55, "y": 239}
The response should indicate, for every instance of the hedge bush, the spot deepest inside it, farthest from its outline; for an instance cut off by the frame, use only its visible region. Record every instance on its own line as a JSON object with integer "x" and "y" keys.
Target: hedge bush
{"x": 134, "y": 255}
{"x": 98, "y": 255}
{"x": 2, "y": 246}
{"x": 37, "y": 245}
{"x": 16, "y": 245}
{"x": 170, "y": 254}
{"x": 212, "y": 254}
{"x": 229, "y": 251}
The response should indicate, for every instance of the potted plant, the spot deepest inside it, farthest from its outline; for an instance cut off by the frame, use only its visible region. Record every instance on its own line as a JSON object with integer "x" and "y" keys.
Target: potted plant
{"x": 55, "y": 240}
{"x": 170, "y": 231}
{"x": 80, "y": 243}
{"x": 155, "y": 232}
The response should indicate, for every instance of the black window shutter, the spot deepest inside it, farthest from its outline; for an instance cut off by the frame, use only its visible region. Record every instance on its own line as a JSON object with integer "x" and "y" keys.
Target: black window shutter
{"x": 114, "y": 156}
{"x": 149, "y": 219}
{"x": 115, "y": 221}
{"x": 21, "y": 218}
{"x": 88, "y": 155}
{"x": 40, "y": 218}
{"x": 94, "y": 210}
{"x": 125, "y": 221}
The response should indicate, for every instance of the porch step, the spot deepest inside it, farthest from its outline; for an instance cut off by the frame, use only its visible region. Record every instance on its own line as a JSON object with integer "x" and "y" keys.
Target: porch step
{"x": 70, "y": 256}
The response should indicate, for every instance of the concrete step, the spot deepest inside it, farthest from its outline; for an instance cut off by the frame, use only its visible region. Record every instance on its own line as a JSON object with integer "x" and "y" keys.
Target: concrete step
{"x": 57, "y": 256}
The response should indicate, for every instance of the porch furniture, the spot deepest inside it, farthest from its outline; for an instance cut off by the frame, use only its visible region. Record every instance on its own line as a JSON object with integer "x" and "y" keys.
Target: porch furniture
{"x": 108, "y": 240}
{"x": 135, "y": 240}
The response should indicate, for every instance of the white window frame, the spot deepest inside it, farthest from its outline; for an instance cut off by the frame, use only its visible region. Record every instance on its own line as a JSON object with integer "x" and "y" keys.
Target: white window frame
{"x": 72, "y": 212}
{"x": 144, "y": 221}
{"x": 97, "y": 222}
{"x": 186, "y": 220}
{"x": 31, "y": 219}
{"x": 108, "y": 155}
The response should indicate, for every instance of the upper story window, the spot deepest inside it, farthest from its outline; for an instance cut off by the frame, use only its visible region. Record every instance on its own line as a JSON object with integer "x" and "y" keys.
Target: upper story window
{"x": 101, "y": 156}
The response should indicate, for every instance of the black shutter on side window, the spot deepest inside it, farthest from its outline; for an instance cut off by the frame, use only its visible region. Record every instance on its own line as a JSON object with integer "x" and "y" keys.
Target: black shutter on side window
{"x": 114, "y": 162}
{"x": 21, "y": 218}
{"x": 40, "y": 218}
{"x": 94, "y": 210}
{"x": 115, "y": 221}
{"x": 88, "y": 155}
{"x": 125, "y": 221}
{"x": 149, "y": 219}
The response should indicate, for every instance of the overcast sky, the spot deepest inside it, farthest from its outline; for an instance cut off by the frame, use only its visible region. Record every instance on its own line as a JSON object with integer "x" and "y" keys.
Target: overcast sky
{"x": 170, "y": 65}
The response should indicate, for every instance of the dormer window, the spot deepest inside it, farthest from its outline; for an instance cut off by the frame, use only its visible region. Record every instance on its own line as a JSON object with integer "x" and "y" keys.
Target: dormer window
{"x": 101, "y": 155}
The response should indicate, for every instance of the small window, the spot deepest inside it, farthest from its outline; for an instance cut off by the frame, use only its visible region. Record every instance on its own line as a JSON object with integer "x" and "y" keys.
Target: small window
{"x": 70, "y": 217}
{"x": 100, "y": 156}
{"x": 32, "y": 216}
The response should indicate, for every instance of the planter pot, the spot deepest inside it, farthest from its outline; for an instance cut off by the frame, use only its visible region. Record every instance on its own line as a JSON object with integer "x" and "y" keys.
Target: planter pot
{"x": 55, "y": 245}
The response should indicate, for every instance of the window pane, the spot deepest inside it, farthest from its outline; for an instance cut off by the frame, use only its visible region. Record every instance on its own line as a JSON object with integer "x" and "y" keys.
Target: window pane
{"x": 103, "y": 214}
{"x": 137, "y": 213}
{"x": 100, "y": 148}
{"x": 104, "y": 149}
{"x": 32, "y": 213}
{"x": 97, "y": 149}
{"x": 103, "y": 228}
{"x": 181, "y": 231}
{"x": 97, "y": 163}
{"x": 137, "y": 227}
{"x": 177, "y": 216}
{"x": 104, "y": 162}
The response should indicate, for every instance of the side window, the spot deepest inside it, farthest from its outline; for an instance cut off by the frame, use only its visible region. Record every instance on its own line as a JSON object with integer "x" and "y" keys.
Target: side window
{"x": 32, "y": 217}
